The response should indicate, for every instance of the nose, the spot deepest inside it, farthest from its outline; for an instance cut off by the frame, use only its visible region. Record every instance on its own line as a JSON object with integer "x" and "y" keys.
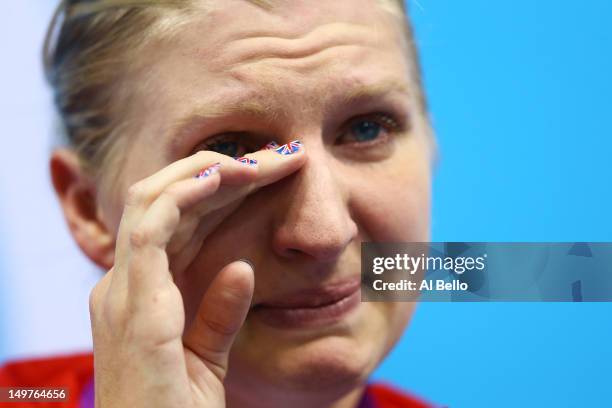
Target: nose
{"x": 313, "y": 219}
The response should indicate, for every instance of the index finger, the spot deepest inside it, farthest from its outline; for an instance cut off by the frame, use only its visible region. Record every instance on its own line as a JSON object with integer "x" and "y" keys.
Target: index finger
{"x": 277, "y": 162}
{"x": 272, "y": 165}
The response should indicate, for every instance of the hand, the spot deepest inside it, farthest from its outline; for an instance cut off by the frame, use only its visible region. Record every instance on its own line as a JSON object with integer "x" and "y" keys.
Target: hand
{"x": 137, "y": 315}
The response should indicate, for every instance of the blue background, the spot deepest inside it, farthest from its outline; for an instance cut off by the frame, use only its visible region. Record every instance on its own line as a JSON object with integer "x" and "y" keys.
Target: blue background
{"x": 519, "y": 94}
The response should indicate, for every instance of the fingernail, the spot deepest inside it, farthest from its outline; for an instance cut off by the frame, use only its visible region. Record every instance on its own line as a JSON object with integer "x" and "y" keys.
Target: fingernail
{"x": 209, "y": 171}
{"x": 289, "y": 148}
{"x": 246, "y": 160}
{"x": 246, "y": 261}
{"x": 270, "y": 146}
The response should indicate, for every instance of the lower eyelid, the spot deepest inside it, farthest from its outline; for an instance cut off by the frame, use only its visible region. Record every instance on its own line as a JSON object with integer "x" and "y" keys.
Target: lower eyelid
{"x": 366, "y": 152}
{"x": 242, "y": 148}
{"x": 371, "y": 143}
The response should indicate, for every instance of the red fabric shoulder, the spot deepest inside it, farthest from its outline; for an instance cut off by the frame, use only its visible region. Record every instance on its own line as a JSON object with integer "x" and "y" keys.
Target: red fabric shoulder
{"x": 385, "y": 396}
{"x": 72, "y": 371}
{"x": 76, "y": 370}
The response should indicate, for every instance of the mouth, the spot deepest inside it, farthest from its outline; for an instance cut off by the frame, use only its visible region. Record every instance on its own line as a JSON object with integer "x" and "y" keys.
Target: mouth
{"x": 314, "y": 307}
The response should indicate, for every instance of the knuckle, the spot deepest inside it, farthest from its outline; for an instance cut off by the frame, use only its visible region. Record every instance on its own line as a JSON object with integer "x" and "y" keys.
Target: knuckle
{"x": 217, "y": 327}
{"x": 98, "y": 293}
{"x": 173, "y": 212}
{"x": 169, "y": 196}
{"x": 96, "y": 299}
{"x": 140, "y": 237}
{"x": 93, "y": 300}
{"x": 136, "y": 193}
{"x": 205, "y": 154}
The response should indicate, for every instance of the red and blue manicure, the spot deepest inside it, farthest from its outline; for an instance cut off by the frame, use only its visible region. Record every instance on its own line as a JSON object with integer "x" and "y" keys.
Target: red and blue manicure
{"x": 270, "y": 146}
{"x": 289, "y": 148}
{"x": 209, "y": 171}
{"x": 246, "y": 160}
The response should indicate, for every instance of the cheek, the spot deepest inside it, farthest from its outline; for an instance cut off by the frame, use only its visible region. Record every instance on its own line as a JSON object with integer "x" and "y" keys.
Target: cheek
{"x": 394, "y": 205}
{"x": 240, "y": 235}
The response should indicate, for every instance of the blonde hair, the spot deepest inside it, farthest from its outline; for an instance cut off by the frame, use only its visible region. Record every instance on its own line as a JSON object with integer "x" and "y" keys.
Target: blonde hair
{"x": 85, "y": 60}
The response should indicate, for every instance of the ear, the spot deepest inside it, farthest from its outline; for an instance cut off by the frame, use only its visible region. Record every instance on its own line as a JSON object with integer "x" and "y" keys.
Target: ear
{"x": 77, "y": 195}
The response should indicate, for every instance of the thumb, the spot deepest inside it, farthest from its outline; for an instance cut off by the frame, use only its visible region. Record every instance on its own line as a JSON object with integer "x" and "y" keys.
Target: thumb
{"x": 220, "y": 316}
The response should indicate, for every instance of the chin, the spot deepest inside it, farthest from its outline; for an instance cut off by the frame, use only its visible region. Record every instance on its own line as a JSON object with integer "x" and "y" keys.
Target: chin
{"x": 328, "y": 367}
{"x": 331, "y": 360}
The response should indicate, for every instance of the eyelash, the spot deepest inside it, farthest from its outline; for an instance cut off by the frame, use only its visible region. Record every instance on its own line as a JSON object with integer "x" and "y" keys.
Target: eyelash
{"x": 387, "y": 121}
{"x": 238, "y": 137}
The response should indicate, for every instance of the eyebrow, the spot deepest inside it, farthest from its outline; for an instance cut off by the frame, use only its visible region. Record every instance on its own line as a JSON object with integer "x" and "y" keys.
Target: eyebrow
{"x": 210, "y": 110}
{"x": 377, "y": 89}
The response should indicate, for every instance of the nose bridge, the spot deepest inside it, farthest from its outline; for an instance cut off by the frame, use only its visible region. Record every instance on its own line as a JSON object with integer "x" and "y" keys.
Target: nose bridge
{"x": 314, "y": 219}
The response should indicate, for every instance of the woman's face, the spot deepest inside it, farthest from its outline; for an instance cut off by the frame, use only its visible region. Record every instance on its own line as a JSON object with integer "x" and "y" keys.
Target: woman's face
{"x": 335, "y": 76}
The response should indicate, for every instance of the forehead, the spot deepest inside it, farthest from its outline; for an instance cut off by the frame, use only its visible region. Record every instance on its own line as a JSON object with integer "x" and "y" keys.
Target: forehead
{"x": 230, "y": 32}
{"x": 305, "y": 52}
{"x": 294, "y": 17}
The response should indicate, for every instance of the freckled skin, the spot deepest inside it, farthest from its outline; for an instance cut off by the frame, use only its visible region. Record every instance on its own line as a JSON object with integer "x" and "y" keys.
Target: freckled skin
{"x": 306, "y": 229}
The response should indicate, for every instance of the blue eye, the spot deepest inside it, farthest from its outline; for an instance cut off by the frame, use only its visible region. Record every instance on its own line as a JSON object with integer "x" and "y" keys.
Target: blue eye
{"x": 229, "y": 144}
{"x": 370, "y": 129}
{"x": 366, "y": 130}
{"x": 227, "y": 147}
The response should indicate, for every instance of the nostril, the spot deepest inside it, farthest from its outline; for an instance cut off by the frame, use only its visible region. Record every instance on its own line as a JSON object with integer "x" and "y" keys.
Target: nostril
{"x": 292, "y": 252}
{"x": 318, "y": 251}
{"x": 320, "y": 241}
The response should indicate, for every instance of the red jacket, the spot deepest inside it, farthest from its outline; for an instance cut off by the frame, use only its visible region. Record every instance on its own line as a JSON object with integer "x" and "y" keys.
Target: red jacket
{"x": 75, "y": 372}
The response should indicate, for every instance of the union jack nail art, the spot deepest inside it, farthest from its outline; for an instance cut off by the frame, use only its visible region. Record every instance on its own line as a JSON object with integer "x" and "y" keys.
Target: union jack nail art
{"x": 270, "y": 146}
{"x": 246, "y": 160}
{"x": 209, "y": 171}
{"x": 289, "y": 148}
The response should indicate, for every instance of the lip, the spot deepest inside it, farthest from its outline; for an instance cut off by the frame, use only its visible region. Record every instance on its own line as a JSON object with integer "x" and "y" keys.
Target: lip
{"x": 314, "y": 307}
